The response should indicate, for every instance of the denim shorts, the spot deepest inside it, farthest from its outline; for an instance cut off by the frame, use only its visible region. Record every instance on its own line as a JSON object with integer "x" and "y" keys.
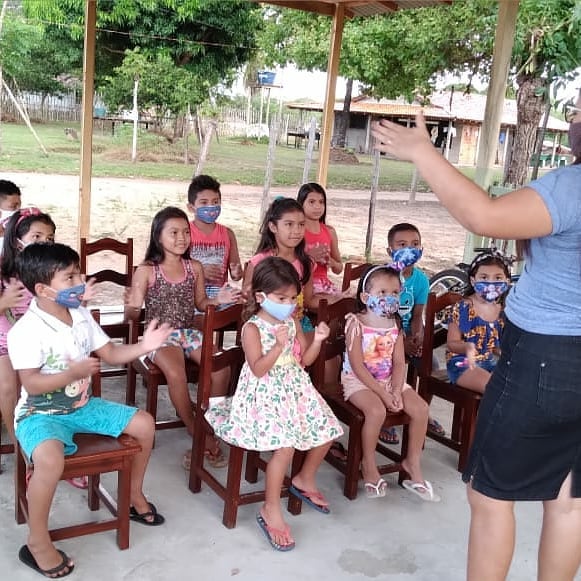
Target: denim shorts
{"x": 455, "y": 372}
{"x": 528, "y": 433}
{"x": 98, "y": 416}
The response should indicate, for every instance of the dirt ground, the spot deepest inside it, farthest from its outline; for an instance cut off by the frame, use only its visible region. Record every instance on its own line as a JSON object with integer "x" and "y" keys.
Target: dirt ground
{"x": 121, "y": 208}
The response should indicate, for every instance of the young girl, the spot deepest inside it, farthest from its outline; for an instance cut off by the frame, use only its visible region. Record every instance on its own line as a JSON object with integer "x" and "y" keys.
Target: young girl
{"x": 320, "y": 239}
{"x": 24, "y": 227}
{"x": 172, "y": 286}
{"x": 282, "y": 234}
{"x": 475, "y": 324}
{"x": 275, "y": 406}
{"x": 373, "y": 333}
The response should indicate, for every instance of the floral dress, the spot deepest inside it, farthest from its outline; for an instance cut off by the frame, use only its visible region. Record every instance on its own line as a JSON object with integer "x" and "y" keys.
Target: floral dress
{"x": 281, "y": 409}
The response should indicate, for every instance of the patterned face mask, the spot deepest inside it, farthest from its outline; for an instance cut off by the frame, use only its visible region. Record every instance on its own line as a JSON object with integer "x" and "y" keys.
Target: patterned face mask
{"x": 383, "y": 306}
{"x": 404, "y": 257}
{"x": 208, "y": 214}
{"x": 490, "y": 291}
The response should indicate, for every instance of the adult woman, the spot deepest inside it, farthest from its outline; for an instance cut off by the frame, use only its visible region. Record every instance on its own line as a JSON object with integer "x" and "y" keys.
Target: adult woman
{"x": 528, "y": 435}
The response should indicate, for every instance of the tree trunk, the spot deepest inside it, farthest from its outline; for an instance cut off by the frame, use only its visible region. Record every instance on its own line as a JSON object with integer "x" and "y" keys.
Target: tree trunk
{"x": 342, "y": 120}
{"x": 530, "y": 108}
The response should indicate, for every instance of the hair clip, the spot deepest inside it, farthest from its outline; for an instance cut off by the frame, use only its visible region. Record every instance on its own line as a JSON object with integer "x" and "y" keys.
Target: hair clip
{"x": 26, "y": 212}
{"x": 397, "y": 266}
{"x": 489, "y": 253}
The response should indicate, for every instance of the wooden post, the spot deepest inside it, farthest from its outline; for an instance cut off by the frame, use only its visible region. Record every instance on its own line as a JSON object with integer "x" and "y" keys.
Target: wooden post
{"x": 269, "y": 168}
{"x": 205, "y": 147}
{"x": 2, "y": 14}
{"x": 87, "y": 120}
{"x": 329, "y": 108}
{"x": 372, "y": 199}
{"x": 135, "y": 113}
{"x": 414, "y": 185}
{"x": 310, "y": 149}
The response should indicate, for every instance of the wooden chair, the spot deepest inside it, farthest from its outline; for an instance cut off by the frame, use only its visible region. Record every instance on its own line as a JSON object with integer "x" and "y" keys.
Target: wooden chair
{"x": 96, "y": 455}
{"x": 231, "y": 357}
{"x": 353, "y": 272}
{"x": 4, "y": 448}
{"x": 435, "y": 383}
{"x": 347, "y": 413}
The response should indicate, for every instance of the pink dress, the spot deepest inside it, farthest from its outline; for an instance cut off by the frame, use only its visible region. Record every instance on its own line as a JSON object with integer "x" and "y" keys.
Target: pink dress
{"x": 321, "y": 282}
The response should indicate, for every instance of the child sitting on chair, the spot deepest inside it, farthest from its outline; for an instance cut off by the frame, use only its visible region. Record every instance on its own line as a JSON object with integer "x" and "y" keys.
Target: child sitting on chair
{"x": 50, "y": 347}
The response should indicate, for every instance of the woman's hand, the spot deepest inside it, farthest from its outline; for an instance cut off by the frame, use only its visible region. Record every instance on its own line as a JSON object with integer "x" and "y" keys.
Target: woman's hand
{"x": 90, "y": 291}
{"x": 13, "y": 294}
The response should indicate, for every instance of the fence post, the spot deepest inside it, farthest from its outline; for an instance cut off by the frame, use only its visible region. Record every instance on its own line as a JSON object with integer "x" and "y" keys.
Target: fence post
{"x": 269, "y": 168}
{"x": 310, "y": 149}
{"x": 372, "y": 199}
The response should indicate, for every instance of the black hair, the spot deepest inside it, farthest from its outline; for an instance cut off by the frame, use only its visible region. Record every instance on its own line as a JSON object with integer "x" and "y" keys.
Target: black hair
{"x": 8, "y": 188}
{"x": 488, "y": 258}
{"x": 18, "y": 226}
{"x": 271, "y": 274}
{"x": 401, "y": 227}
{"x": 365, "y": 283}
{"x": 38, "y": 263}
{"x": 274, "y": 213}
{"x": 201, "y": 183}
{"x": 304, "y": 192}
{"x": 155, "y": 253}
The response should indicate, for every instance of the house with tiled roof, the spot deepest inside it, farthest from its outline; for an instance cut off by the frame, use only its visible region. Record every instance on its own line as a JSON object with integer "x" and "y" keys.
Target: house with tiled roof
{"x": 453, "y": 118}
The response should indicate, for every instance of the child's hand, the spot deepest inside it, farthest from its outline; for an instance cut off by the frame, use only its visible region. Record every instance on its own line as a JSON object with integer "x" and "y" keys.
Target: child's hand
{"x": 281, "y": 335}
{"x": 228, "y": 294}
{"x": 236, "y": 270}
{"x": 13, "y": 293}
{"x": 319, "y": 253}
{"x": 471, "y": 355}
{"x": 212, "y": 272}
{"x": 413, "y": 346}
{"x": 321, "y": 332}
{"x": 392, "y": 401}
{"x": 90, "y": 291}
{"x": 155, "y": 335}
{"x": 84, "y": 367}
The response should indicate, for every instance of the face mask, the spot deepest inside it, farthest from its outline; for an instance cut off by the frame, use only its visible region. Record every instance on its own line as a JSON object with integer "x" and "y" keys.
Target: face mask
{"x": 280, "y": 311}
{"x": 208, "y": 214}
{"x": 383, "y": 306}
{"x": 406, "y": 256}
{"x": 490, "y": 291}
{"x": 6, "y": 214}
{"x": 70, "y": 298}
{"x": 575, "y": 139}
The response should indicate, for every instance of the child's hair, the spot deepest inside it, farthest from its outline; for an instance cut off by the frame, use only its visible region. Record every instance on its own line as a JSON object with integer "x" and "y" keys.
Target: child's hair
{"x": 306, "y": 189}
{"x": 18, "y": 226}
{"x": 270, "y": 275}
{"x": 488, "y": 258}
{"x": 274, "y": 213}
{"x": 201, "y": 183}
{"x": 8, "y": 188}
{"x": 155, "y": 253}
{"x": 365, "y": 284}
{"x": 401, "y": 227}
{"x": 38, "y": 263}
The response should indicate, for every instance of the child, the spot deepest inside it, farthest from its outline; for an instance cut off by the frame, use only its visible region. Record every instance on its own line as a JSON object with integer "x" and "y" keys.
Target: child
{"x": 172, "y": 286}
{"x": 212, "y": 244}
{"x": 24, "y": 227}
{"x": 373, "y": 388}
{"x": 475, "y": 325}
{"x": 282, "y": 234}
{"x": 275, "y": 406}
{"x": 51, "y": 348}
{"x": 404, "y": 246}
{"x": 320, "y": 239}
{"x": 10, "y": 201}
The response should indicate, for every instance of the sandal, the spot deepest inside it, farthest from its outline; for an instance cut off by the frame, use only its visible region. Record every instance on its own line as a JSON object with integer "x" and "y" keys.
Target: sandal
{"x": 269, "y": 532}
{"x": 155, "y": 518}
{"x": 422, "y": 489}
{"x": 436, "y": 427}
{"x": 81, "y": 482}
{"x": 377, "y": 490}
{"x": 215, "y": 459}
{"x": 338, "y": 452}
{"x": 389, "y": 436}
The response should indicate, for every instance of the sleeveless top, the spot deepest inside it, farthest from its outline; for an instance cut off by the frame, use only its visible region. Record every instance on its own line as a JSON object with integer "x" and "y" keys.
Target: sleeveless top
{"x": 323, "y": 238}
{"x": 171, "y": 302}
{"x": 213, "y": 248}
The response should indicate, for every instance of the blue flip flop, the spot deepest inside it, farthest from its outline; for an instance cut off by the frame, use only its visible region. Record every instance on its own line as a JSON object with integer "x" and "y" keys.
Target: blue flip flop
{"x": 269, "y": 531}
{"x": 310, "y": 498}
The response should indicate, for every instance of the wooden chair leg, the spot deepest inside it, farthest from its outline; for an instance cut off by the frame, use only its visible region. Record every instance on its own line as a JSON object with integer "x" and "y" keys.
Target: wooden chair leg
{"x": 232, "y": 495}
{"x": 123, "y": 502}
{"x": 131, "y": 385}
{"x": 251, "y": 473}
{"x": 402, "y": 474}
{"x": 197, "y": 459}
{"x": 354, "y": 455}
{"x": 93, "y": 499}
{"x": 457, "y": 423}
{"x": 467, "y": 432}
{"x": 151, "y": 398}
{"x": 20, "y": 488}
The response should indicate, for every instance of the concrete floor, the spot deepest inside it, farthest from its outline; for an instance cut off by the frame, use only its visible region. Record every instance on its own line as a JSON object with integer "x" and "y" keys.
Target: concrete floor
{"x": 397, "y": 538}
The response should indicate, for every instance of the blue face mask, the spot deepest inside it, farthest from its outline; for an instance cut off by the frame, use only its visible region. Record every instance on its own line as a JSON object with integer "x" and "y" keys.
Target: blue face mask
{"x": 71, "y": 298}
{"x": 208, "y": 214}
{"x": 406, "y": 256}
{"x": 279, "y": 311}
{"x": 490, "y": 291}
{"x": 383, "y": 306}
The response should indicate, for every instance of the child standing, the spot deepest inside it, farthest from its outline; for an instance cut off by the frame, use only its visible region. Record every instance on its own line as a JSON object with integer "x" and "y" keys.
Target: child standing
{"x": 25, "y": 227}
{"x": 320, "y": 239}
{"x": 282, "y": 234}
{"x": 50, "y": 346}
{"x": 10, "y": 201}
{"x": 373, "y": 378}
{"x": 275, "y": 406}
{"x": 172, "y": 286}
{"x": 212, "y": 244}
{"x": 475, "y": 324}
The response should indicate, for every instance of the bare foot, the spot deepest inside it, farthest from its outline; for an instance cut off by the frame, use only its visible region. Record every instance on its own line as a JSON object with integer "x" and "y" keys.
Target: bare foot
{"x": 279, "y": 529}
{"x": 47, "y": 557}
{"x": 415, "y": 472}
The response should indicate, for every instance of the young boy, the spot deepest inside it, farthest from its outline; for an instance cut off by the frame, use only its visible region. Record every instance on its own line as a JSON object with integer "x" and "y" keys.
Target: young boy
{"x": 50, "y": 347}
{"x": 10, "y": 201}
{"x": 404, "y": 245}
{"x": 213, "y": 245}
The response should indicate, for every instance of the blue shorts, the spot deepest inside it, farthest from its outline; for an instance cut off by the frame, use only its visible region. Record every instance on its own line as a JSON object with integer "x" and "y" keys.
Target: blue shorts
{"x": 98, "y": 416}
{"x": 455, "y": 372}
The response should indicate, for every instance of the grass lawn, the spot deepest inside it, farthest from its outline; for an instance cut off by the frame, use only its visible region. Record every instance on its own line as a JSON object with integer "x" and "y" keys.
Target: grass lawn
{"x": 232, "y": 160}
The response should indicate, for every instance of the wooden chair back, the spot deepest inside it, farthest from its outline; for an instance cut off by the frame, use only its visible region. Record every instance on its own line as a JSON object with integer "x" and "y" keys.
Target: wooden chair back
{"x": 351, "y": 272}
{"x": 124, "y": 249}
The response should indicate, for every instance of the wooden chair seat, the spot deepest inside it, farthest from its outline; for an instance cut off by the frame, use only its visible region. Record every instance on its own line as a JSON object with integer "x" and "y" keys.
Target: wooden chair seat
{"x": 432, "y": 382}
